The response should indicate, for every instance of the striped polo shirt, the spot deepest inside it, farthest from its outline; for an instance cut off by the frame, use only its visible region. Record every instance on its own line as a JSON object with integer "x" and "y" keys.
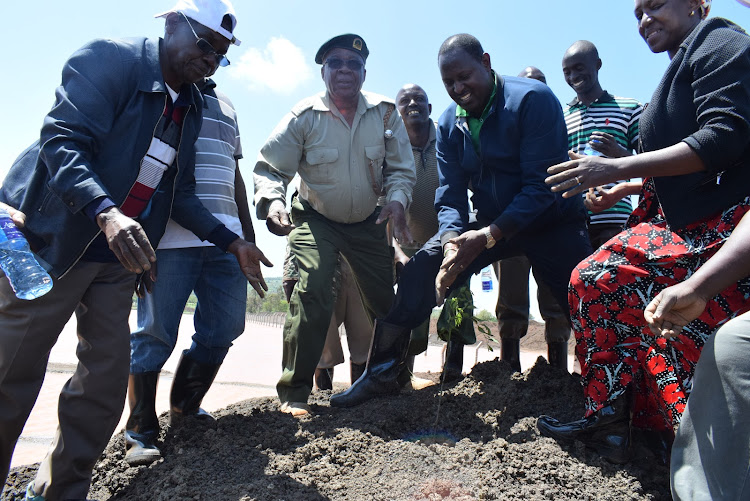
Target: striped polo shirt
{"x": 216, "y": 151}
{"x": 614, "y": 115}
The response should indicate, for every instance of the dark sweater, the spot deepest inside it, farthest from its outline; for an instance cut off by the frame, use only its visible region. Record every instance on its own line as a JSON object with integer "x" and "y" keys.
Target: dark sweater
{"x": 704, "y": 100}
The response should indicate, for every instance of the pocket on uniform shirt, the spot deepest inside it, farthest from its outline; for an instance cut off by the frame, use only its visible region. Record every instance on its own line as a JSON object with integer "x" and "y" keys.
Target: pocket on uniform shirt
{"x": 375, "y": 155}
{"x": 321, "y": 165}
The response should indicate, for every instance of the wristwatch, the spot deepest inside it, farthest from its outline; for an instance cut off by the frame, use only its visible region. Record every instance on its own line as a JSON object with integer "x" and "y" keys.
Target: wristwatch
{"x": 490, "y": 239}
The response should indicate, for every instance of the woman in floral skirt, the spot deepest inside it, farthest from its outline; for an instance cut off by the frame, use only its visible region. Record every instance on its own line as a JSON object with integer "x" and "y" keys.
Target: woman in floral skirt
{"x": 695, "y": 161}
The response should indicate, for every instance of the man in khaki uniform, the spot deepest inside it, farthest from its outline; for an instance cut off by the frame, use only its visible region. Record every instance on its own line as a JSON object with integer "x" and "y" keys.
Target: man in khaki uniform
{"x": 349, "y": 147}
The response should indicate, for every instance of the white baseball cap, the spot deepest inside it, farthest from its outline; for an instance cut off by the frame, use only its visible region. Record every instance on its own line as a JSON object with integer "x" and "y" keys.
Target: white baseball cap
{"x": 210, "y": 13}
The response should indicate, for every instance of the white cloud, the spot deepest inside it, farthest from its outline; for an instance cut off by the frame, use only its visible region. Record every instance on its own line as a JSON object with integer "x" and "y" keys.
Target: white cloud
{"x": 281, "y": 67}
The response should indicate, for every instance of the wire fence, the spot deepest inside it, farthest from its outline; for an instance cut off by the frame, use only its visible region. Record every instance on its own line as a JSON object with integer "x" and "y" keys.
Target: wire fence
{"x": 272, "y": 319}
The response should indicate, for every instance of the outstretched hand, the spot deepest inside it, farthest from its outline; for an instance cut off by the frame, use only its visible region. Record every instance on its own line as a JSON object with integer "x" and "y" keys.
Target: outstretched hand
{"x": 249, "y": 258}
{"x": 460, "y": 252}
{"x": 394, "y": 212}
{"x": 672, "y": 309}
{"x": 578, "y": 174}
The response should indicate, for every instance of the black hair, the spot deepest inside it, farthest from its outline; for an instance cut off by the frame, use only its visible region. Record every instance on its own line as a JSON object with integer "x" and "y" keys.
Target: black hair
{"x": 465, "y": 42}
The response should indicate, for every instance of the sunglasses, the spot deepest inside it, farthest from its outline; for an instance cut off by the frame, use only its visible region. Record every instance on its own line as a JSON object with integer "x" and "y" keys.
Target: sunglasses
{"x": 337, "y": 64}
{"x": 206, "y": 47}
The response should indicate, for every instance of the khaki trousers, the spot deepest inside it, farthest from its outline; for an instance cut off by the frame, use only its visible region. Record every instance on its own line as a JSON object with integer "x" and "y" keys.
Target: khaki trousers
{"x": 91, "y": 402}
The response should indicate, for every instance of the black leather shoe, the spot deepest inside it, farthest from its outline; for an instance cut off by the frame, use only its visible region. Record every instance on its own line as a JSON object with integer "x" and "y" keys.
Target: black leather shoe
{"x": 390, "y": 344}
{"x": 324, "y": 378}
{"x": 607, "y": 431}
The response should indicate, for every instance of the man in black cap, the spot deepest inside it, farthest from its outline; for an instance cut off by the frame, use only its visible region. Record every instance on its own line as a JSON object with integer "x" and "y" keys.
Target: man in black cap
{"x": 349, "y": 148}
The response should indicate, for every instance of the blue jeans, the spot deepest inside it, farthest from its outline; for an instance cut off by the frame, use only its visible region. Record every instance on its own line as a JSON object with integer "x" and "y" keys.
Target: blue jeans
{"x": 219, "y": 318}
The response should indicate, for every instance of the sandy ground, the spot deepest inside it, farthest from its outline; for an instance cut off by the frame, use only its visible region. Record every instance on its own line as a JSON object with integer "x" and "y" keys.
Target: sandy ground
{"x": 474, "y": 439}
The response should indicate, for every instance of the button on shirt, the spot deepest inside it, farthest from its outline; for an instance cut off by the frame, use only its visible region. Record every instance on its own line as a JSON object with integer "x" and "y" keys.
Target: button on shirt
{"x": 333, "y": 159}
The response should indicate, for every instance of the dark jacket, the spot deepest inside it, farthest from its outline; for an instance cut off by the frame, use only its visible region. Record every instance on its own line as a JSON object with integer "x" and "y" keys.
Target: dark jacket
{"x": 92, "y": 142}
{"x": 523, "y": 134}
{"x": 704, "y": 100}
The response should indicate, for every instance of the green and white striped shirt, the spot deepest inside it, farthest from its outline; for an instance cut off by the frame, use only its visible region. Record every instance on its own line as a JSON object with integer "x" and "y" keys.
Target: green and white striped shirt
{"x": 614, "y": 115}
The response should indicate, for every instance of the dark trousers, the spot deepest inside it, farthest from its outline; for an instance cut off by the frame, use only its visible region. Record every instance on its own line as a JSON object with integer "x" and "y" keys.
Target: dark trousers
{"x": 316, "y": 243}
{"x": 553, "y": 251}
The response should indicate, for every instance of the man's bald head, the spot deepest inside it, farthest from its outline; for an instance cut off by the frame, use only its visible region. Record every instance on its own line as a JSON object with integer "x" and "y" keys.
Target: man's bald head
{"x": 581, "y": 65}
{"x": 583, "y": 47}
{"x": 534, "y": 73}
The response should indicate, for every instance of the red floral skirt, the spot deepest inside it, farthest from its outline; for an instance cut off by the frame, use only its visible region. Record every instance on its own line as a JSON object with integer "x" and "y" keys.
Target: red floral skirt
{"x": 608, "y": 293}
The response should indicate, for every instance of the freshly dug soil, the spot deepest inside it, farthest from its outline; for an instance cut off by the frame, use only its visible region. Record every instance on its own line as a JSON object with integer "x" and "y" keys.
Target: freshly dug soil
{"x": 474, "y": 439}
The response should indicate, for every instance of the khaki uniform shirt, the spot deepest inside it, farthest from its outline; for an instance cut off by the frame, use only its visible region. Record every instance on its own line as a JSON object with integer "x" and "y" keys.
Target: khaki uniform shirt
{"x": 331, "y": 158}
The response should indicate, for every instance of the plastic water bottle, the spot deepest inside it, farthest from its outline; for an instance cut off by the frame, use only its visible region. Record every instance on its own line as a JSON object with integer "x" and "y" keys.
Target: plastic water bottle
{"x": 486, "y": 279}
{"x": 27, "y": 278}
{"x": 588, "y": 150}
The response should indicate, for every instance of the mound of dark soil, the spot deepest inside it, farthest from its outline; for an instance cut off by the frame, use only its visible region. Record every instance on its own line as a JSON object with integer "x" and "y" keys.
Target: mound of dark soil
{"x": 474, "y": 439}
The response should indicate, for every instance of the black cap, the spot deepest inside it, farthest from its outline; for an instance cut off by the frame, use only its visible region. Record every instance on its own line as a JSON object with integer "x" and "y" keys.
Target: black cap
{"x": 349, "y": 41}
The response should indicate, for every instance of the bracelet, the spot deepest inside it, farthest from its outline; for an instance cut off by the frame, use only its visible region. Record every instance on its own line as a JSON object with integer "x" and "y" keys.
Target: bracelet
{"x": 449, "y": 249}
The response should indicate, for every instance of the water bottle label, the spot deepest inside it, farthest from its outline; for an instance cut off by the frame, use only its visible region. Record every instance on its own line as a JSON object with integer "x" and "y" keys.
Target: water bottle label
{"x": 10, "y": 232}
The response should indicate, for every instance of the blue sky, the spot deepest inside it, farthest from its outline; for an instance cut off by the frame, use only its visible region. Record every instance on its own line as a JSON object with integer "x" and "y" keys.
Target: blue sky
{"x": 274, "y": 68}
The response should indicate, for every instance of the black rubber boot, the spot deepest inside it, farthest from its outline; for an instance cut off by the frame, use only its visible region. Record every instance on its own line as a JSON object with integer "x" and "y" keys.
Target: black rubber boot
{"x": 557, "y": 355}
{"x": 356, "y": 370}
{"x": 454, "y": 361}
{"x": 191, "y": 382}
{"x": 324, "y": 378}
{"x": 510, "y": 351}
{"x": 607, "y": 431}
{"x": 390, "y": 344}
{"x": 142, "y": 428}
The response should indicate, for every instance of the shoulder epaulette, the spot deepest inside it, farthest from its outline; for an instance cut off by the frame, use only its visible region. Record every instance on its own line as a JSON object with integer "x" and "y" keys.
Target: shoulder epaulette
{"x": 304, "y": 105}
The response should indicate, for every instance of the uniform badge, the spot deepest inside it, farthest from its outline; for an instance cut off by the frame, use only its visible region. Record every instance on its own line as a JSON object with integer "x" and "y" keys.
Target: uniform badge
{"x": 357, "y": 44}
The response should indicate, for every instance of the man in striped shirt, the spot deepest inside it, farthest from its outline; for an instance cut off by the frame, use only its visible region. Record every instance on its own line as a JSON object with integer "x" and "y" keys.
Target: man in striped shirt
{"x": 188, "y": 264}
{"x": 609, "y": 124}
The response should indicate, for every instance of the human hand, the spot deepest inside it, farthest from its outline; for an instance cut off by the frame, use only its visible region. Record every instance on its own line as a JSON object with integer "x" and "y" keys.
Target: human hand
{"x": 18, "y": 217}
{"x": 144, "y": 283}
{"x": 278, "y": 221}
{"x": 459, "y": 253}
{"x": 600, "y": 199}
{"x": 126, "y": 239}
{"x": 606, "y": 143}
{"x": 578, "y": 174}
{"x": 249, "y": 258}
{"x": 672, "y": 309}
{"x": 394, "y": 212}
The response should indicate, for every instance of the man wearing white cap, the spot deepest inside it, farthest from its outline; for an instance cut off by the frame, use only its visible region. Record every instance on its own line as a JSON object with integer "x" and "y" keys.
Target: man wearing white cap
{"x": 113, "y": 162}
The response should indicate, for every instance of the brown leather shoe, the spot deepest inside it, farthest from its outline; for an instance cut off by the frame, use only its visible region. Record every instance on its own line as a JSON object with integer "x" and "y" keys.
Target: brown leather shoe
{"x": 296, "y": 409}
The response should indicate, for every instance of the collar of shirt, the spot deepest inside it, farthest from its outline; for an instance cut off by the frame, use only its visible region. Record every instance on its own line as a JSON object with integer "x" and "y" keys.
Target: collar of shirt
{"x": 604, "y": 98}
{"x": 475, "y": 124}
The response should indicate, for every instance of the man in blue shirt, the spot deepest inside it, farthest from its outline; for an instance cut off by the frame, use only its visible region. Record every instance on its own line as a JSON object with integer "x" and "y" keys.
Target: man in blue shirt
{"x": 497, "y": 140}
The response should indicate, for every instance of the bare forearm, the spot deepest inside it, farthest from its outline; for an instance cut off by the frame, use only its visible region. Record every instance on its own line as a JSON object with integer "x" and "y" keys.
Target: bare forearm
{"x": 674, "y": 160}
{"x": 730, "y": 264}
{"x": 243, "y": 207}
